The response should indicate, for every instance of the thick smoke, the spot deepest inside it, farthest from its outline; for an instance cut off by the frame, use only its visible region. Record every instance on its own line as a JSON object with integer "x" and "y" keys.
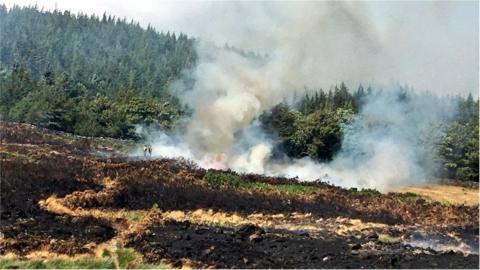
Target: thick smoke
{"x": 315, "y": 45}
{"x": 231, "y": 90}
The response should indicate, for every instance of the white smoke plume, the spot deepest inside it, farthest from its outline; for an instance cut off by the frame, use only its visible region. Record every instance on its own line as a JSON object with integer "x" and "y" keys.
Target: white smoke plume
{"x": 387, "y": 145}
{"x": 231, "y": 90}
{"x": 312, "y": 44}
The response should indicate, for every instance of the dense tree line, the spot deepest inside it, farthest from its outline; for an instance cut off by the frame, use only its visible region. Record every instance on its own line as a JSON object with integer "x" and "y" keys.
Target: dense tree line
{"x": 85, "y": 74}
{"x": 457, "y": 151}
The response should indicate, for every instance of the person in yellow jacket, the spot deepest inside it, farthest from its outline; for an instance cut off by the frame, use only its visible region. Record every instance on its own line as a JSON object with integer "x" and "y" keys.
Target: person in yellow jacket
{"x": 145, "y": 150}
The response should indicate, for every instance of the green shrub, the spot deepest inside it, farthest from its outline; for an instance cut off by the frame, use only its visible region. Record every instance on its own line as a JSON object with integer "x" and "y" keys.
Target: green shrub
{"x": 219, "y": 179}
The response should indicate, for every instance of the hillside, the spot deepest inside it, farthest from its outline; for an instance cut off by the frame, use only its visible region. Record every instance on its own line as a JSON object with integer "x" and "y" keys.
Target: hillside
{"x": 275, "y": 135}
{"x": 106, "y": 76}
{"x": 69, "y": 200}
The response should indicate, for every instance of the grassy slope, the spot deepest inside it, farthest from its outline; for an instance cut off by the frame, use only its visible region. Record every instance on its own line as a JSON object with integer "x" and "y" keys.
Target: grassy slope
{"x": 445, "y": 193}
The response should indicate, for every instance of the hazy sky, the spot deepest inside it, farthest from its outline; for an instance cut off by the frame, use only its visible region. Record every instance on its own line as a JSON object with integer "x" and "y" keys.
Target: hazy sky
{"x": 433, "y": 40}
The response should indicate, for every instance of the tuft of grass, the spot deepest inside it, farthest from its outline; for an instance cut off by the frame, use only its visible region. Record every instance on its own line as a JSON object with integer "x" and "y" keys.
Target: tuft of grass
{"x": 127, "y": 257}
{"x": 134, "y": 216}
{"x": 121, "y": 258}
{"x": 82, "y": 263}
{"x": 388, "y": 239}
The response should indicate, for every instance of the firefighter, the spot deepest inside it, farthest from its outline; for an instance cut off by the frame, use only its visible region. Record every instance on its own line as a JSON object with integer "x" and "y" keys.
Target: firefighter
{"x": 150, "y": 150}
{"x": 145, "y": 150}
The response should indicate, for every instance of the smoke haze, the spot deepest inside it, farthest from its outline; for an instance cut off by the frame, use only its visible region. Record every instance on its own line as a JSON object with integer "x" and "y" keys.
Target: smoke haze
{"x": 432, "y": 46}
{"x": 388, "y": 144}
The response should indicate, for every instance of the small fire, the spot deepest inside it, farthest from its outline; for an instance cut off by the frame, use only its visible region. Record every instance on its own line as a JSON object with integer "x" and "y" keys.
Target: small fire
{"x": 214, "y": 161}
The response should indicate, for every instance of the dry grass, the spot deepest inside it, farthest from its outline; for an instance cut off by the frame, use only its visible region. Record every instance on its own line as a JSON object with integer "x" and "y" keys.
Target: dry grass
{"x": 388, "y": 239}
{"x": 55, "y": 205}
{"x": 346, "y": 226}
{"x": 291, "y": 222}
{"x": 116, "y": 258}
{"x": 445, "y": 194}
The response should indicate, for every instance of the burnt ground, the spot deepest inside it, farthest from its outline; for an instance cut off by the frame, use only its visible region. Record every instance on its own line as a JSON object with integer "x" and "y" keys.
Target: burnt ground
{"x": 253, "y": 247}
{"x": 59, "y": 195}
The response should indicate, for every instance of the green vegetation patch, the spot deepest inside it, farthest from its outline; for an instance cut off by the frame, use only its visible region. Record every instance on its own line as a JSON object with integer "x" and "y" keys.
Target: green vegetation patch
{"x": 222, "y": 179}
{"x": 284, "y": 188}
{"x": 364, "y": 191}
